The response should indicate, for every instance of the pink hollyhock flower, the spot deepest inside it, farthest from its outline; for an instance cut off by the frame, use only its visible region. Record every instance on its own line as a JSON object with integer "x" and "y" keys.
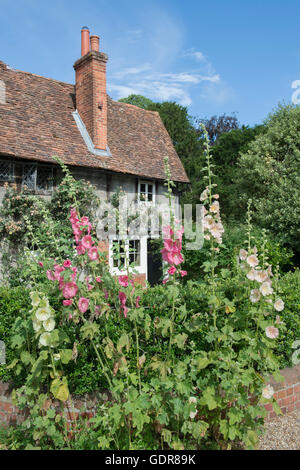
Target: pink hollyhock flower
{"x": 172, "y": 270}
{"x": 165, "y": 281}
{"x": 98, "y": 279}
{"x": 93, "y": 253}
{"x": 168, "y": 244}
{"x": 137, "y": 301}
{"x": 123, "y": 281}
{"x": 67, "y": 263}
{"x": 70, "y": 316}
{"x": 70, "y": 290}
{"x": 272, "y": 332}
{"x": 50, "y": 275}
{"x": 175, "y": 257}
{"x": 80, "y": 249}
{"x": 41, "y": 264}
{"x": 122, "y": 297}
{"x": 87, "y": 242}
{"x": 66, "y": 303}
{"x": 83, "y": 304}
{"x": 183, "y": 273}
{"x": 167, "y": 231}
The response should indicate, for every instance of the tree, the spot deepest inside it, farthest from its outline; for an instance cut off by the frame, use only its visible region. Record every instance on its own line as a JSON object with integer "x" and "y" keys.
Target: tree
{"x": 270, "y": 175}
{"x": 218, "y": 125}
{"x": 137, "y": 100}
{"x": 226, "y": 153}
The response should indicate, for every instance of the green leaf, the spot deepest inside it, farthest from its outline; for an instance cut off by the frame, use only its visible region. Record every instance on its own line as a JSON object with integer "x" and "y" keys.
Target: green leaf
{"x": 65, "y": 355}
{"x": 208, "y": 398}
{"x": 123, "y": 341}
{"x": 59, "y": 389}
{"x": 26, "y": 357}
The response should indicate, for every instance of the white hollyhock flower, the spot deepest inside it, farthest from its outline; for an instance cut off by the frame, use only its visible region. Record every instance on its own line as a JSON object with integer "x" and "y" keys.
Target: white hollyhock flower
{"x": 252, "y": 260}
{"x": 204, "y": 195}
{"x": 36, "y": 325}
{"x": 254, "y": 295}
{"x": 193, "y": 413}
{"x": 279, "y": 305}
{"x": 49, "y": 324}
{"x": 261, "y": 276}
{"x": 215, "y": 207}
{"x": 268, "y": 392}
{"x": 272, "y": 332}
{"x": 43, "y": 313}
{"x": 56, "y": 357}
{"x": 45, "y": 339}
{"x": 243, "y": 254}
{"x": 266, "y": 288}
{"x": 251, "y": 275}
{"x": 35, "y": 299}
{"x": 278, "y": 321}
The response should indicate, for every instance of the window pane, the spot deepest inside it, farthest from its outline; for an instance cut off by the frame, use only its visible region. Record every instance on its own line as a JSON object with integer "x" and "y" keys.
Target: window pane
{"x": 44, "y": 179}
{"x": 6, "y": 173}
{"x": 150, "y": 188}
{"x": 143, "y": 188}
{"x": 29, "y": 174}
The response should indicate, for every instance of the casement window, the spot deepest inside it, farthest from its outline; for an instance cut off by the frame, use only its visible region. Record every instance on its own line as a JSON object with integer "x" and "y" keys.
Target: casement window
{"x": 125, "y": 251}
{"x": 146, "y": 191}
{"x": 37, "y": 178}
{"x": 6, "y": 171}
{"x": 128, "y": 253}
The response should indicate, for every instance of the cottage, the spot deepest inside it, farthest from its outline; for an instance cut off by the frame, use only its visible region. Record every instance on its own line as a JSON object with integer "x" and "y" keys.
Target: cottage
{"x": 111, "y": 144}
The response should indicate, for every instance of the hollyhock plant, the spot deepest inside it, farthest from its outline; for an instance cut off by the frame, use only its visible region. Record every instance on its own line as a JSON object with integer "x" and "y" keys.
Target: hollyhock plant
{"x": 87, "y": 242}
{"x": 70, "y": 290}
{"x": 123, "y": 281}
{"x": 172, "y": 270}
{"x": 67, "y": 303}
{"x": 83, "y": 304}
{"x": 279, "y": 305}
{"x": 272, "y": 332}
{"x": 93, "y": 253}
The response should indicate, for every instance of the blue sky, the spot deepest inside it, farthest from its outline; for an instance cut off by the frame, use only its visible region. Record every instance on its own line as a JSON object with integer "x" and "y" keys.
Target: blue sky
{"x": 214, "y": 57}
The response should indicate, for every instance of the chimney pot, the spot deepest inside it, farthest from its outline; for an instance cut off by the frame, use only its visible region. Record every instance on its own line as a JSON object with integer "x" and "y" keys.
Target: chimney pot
{"x": 95, "y": 43}
{"x": 85, "y": 40}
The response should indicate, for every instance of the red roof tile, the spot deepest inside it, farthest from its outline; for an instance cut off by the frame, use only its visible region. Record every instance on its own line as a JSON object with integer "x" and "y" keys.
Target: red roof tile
{"x": 36, "y": 123}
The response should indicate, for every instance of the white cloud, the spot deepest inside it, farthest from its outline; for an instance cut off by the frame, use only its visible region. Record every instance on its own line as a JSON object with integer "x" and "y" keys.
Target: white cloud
{"x": 197, "y": 55}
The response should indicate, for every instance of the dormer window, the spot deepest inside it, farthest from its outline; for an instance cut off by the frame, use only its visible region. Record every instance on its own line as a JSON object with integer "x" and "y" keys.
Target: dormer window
{"x": 146, "y": 191}
{"x": 38, "y": 178}
{"x": 6, "y": 171}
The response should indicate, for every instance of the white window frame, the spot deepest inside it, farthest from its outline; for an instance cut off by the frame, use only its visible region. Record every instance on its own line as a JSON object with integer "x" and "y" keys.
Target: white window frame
{"x": 36, "y": 169}
{"x": 11, "y": 172}
{"x": 141, "y": 269}
{"x": 146, "y": 183}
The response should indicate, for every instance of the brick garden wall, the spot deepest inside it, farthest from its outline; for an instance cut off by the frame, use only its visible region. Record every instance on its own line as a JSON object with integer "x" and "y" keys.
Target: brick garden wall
{"x": 287, "y": 394}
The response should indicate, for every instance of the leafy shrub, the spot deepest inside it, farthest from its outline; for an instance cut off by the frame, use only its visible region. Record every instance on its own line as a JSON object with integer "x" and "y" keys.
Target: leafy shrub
{"x": 12, "y": 303}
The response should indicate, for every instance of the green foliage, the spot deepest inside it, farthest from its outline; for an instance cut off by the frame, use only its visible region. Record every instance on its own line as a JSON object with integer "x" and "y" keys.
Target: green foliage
{"x": 226, "y": 152}
{"x": 31, "y": 226}
{"x": 186, "y": 367}
{"x": 270, "y": 175}
{"x": 137, "y": 100}
{"x": 12, "y": 302}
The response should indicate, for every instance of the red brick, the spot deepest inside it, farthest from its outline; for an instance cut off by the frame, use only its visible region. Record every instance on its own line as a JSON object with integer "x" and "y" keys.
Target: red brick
{"x": 291, "y": 407}
{"x": 282, "y": 394}
{"x": 290, "y": 391}
{"x": 268, "y": 407}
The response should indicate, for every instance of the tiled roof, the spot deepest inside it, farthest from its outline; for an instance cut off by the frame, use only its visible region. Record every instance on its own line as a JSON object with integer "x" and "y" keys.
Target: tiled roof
{"x": 36, "y": 123}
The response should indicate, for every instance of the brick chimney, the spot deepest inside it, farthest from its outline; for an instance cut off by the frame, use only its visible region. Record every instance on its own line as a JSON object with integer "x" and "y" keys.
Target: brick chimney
{"x": 91, "y": 98}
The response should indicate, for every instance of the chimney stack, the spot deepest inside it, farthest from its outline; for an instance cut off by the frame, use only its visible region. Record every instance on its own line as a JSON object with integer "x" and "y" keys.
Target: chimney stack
{"x": 91, "y": 98}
